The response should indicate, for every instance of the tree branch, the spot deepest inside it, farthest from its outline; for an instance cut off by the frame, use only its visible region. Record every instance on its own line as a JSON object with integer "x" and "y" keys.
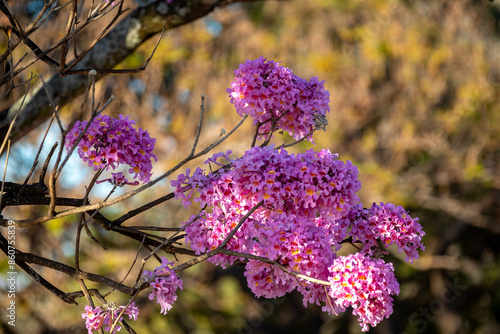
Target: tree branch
{"x": 137, "y": 27}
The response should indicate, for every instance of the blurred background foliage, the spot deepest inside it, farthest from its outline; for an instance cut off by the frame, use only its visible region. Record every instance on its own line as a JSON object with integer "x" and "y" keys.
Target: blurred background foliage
{"x": 415, "y": 104}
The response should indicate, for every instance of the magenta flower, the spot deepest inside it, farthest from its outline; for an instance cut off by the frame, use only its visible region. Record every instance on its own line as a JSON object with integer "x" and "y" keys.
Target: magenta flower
{"x": 366, "y": 285}
{"x": 296, "y": 190}
{"x": 110, "y": 142}
{"x": 95, "y": 318}
{"x": 268, "y": 91}
{"x": 165, "y": 283}
{"x": 388, "y": 223}
{"x": 308, "y": 184}
{"x": 309, "y": 207}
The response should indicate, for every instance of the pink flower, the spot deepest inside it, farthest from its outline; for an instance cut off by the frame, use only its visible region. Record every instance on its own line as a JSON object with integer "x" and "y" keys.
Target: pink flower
{"x": 95, "y": 318}
{"x": 308, "y": 207}
{"x": 388, "y": 223}
{"x": 269, "y": 92}
{"x": 308, "y": 184}
{"x": 165, "y": 283}
{"x": 110, "y": 142}
{"x": 364, "y": 284}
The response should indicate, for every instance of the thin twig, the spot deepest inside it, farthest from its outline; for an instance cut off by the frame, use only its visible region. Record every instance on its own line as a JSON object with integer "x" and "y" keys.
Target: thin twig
{"x": 153, "y": 252}
{"x": 67, "y": 70}
{"x": 143, "y": 208}
{"x": 200, "y": 125}
{"x": 53, "y": 105}
{"x": 83, "y": 222}
{"x": 273, "y": 262}
{"x": 15, "y": 117}
{"x": 112, "y": 71}
{"x": 298, "y": 141}
{"x": 46, "y": 164}
{"x": 5, "y": 171}
{"x": 69, "y": 26}
{"x": 35, "y": 161}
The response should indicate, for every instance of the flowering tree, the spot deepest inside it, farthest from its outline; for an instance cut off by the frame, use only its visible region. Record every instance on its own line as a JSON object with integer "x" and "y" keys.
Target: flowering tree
{"x": 284, "y": 216}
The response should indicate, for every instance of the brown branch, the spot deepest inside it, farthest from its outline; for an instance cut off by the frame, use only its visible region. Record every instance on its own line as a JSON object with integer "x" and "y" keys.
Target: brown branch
{"x": 37, "y": 200}
{"x": 143, "y": 208}
{"x": 100, "y": 205}
{"x": 133, "y": 233}
{"x": 22, "y": 259}
{"x": 141, "y": 23}
{"x": 35, "y": 161}
{"x": 36, "y": 50}
{"x": 69, "y": 26}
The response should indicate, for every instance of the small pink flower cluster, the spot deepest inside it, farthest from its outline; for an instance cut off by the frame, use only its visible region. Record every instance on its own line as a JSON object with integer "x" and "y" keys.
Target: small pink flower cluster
{"x": 269, "y": 92}
{"x": 165, "y": 283}
{"x": 388, "y": 223}
{"x": 110, "y": 142}
{"x": 97, "y": 317}
{"x": 365, "y": 284}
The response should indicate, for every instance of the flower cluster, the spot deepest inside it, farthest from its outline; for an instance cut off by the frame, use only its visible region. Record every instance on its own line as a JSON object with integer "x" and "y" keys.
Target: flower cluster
{"x": 387, "y": 223}
{"x": 307, "y": 184}
{"x": 365, "y": 284}
{"x": 309, "y": 208}
{"x": 110, "y": 142}
{"x": 302, "y": 245}
{"x": 294, "y": 212}
{"x": 165, "y": 283}
{"x": 300, "y": 187}
{"x": 269, "y": 92}
{"x": 99, "y": 316}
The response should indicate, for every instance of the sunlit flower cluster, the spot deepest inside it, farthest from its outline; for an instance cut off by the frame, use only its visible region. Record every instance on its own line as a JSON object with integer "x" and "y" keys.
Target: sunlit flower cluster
{"x": 307, "y": 184}
{"x": 269, "y": 92}
{"x": 365, "y": 284}
{"x": 293, "y": 188}
{"x": 303, "y": 245}
{"x": 165, "y": 283}
{"x": 309, "y": 209}
{"x": 296, "y": 211}
{"x": 110, "y": 142}
{"x": 100, "y": 316}
{"x": 387, "y": 223}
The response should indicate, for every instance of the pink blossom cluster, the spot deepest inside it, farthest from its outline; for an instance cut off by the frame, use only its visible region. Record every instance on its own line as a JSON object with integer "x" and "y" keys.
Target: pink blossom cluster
{"x": 269, "y": 92}
{"x": 110, "y": 142}
{"x": 365, "y": 284}
{"x": 99, "y": 316}
{"x": 296, "y": 211}
{"x": 387, "y": 223}
{"x": 302, "y": 186}
{"x": 310, "y": 208}
{"x": 307, "y": 184}
{"x": 165, "y": 283}
{"x": 303, "y": 245}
